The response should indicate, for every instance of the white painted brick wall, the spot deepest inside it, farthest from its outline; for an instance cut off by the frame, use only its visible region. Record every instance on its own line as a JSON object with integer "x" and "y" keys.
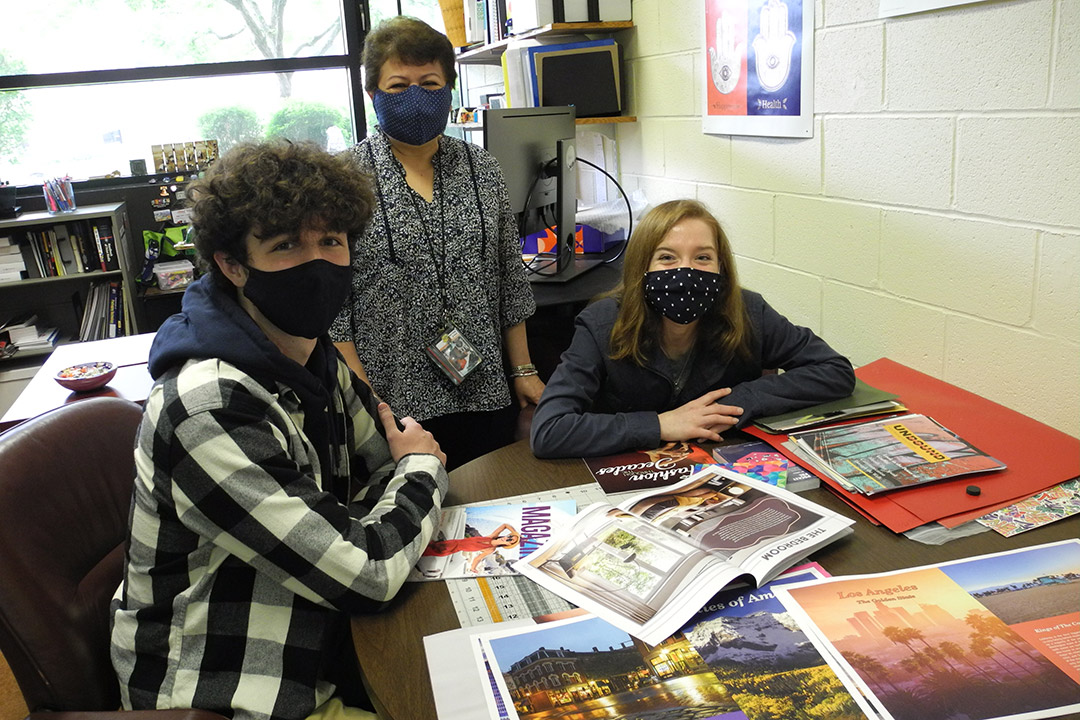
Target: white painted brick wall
{"x": 847, "y": 76}
{"x": 745, "y": 215}
{"x": 782, "y": 164}
{"x": 1065, "y": 83}
{"x": 1027, "y": 168}
{"x": 837, "y": 240}
{"x": 962, "y": 59}
{"x": 1057, "y": 297}
{"x": 796, "y": 295}
{"x": 891, "y": 160}
{"x": 980, "y": 268}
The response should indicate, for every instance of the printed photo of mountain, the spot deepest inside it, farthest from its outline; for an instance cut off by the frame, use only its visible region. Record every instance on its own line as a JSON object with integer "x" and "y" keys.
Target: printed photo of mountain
{"x": 758, "y": 650}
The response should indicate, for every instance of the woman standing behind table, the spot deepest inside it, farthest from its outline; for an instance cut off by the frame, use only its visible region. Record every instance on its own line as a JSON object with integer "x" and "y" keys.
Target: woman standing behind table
{"x": 441, "y": 252}
{"x": 677, "y": 353}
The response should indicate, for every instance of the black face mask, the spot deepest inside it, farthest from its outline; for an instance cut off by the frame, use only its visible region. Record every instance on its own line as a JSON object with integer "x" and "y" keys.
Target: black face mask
{"x": 302, "y": 300}
{"x": 682, "y": 294}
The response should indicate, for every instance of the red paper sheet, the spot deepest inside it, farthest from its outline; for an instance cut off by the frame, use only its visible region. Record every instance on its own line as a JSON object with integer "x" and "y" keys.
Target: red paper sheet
{"x": 1037, "y": 455}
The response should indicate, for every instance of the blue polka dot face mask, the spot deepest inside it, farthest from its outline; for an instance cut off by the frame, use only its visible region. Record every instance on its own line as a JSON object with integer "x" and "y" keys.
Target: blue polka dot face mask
{"x": 682, "y": 294}
{"x": 414, "y": 116}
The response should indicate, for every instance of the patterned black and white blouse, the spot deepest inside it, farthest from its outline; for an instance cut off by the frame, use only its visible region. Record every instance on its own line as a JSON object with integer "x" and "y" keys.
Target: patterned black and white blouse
{"x": 422, "y": 267}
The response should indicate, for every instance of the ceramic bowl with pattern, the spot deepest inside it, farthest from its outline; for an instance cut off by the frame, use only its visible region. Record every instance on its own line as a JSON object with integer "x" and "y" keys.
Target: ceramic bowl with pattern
{"x": 86, "y": 376}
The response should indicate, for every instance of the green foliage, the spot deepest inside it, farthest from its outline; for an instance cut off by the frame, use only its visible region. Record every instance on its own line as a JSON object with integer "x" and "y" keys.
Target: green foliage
{"x": 806, "y": 694}
{"x": 300, "y": 120}
{"x": 230, "y": 125}
{"x": 14, "y": 110}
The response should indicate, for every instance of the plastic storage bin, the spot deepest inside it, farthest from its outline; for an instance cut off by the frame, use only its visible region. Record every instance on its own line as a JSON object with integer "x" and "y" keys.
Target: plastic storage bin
{"x": 175, "y": 274}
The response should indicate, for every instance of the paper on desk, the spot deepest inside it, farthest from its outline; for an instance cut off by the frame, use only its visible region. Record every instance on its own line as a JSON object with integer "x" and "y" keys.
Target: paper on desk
{"x": 1060, "y": 501}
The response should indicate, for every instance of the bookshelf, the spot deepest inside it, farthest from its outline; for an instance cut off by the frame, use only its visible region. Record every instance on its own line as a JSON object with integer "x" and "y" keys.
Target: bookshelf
{"x": 490, "y": 54}
{"x": 60, "y": 300}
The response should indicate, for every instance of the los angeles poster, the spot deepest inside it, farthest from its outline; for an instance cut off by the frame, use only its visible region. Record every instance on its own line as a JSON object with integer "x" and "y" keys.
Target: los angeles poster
{"x": 992, "y": 636}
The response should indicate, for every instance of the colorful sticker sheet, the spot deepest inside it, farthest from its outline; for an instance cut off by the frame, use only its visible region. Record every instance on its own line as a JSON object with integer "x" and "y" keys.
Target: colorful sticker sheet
{"x": 1042, "y": 508}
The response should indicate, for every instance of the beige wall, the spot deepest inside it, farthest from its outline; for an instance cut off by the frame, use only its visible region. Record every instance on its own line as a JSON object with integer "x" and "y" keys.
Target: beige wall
{"x": 934, "y": 217}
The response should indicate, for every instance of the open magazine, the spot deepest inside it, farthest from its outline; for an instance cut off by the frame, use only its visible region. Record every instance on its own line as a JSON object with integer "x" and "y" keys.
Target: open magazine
{"x": 475, "y": 540}
{"x": 992, "y": 636}
{"x": 649, "y": 563}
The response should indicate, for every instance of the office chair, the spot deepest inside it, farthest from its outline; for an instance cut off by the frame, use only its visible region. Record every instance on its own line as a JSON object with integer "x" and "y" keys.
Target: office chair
{"x": 65, "y": 487}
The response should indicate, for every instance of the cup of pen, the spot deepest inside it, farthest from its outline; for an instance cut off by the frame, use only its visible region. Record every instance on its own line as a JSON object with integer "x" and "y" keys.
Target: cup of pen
{"x": 59, "y": 195}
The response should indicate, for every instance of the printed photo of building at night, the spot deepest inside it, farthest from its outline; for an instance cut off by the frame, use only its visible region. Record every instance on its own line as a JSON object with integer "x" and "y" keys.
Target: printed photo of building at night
{"x": 554, "y": 678}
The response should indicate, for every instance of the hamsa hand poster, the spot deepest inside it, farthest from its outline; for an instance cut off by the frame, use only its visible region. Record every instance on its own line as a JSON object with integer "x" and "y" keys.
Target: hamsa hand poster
{"x": 759, "y": 67}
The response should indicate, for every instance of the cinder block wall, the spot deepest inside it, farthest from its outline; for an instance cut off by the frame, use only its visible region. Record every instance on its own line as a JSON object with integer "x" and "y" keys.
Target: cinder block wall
{"x": 934, "y": 217}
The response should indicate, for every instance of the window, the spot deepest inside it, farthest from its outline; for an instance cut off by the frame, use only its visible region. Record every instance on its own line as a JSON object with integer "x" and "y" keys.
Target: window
{"x": 86, "y": 86}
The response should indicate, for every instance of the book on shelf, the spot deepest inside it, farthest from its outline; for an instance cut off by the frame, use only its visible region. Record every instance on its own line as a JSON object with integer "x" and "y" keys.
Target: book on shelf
{"x": 637, "y": 470}
{"x": 757, "y": 459}
{"x": 738, "y": 656}
{"x": 991, "y": 636}
{"x": 105, "y": 243}
{"x": 864, "y": 401}
{"x": 877, "y": 456}
{"x": 649, "y": 563}
{"x": 483, "y": 540}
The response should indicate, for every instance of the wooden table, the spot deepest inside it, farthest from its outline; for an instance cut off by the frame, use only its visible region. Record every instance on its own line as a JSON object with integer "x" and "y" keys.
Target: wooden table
{"x": 43, "y": 393}
{"x": 390, "y": 644}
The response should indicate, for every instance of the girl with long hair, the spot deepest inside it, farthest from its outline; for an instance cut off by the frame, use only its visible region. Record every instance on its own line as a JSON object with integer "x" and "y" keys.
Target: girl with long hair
{"x": 679, "y": 351}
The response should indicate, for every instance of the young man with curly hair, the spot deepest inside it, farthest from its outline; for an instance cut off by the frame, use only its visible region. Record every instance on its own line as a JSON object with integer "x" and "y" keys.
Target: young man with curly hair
{"x": 274, "y": 496}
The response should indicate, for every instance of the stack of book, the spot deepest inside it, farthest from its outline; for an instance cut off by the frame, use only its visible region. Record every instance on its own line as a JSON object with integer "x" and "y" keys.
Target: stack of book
{"x": 26, "y": 333}
{"x": 106, "y": 312}
{"x": 12, "y": 265}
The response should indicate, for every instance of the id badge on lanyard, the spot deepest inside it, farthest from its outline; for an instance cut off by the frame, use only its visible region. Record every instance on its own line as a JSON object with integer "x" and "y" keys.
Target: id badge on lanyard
{"x": 453, "y": 354}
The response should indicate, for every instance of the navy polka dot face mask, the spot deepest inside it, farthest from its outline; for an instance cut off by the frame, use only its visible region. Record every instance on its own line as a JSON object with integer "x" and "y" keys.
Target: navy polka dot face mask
{"x": 682, "y": 294}
{"x": 415, "y": 115}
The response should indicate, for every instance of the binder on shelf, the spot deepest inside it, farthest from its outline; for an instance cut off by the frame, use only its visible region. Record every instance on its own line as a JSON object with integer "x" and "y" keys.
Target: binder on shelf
{"x": 584, "y": 74}
{"x": 64, "y": 251}
{"x": 517, "y": 76}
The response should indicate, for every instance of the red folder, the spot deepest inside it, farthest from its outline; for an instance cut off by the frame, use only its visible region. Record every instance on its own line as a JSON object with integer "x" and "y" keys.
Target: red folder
{"x": 1037, "y": 455}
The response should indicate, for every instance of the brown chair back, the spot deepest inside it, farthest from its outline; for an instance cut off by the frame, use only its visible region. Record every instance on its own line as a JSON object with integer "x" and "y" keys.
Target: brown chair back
{"x": 65, "y": 489}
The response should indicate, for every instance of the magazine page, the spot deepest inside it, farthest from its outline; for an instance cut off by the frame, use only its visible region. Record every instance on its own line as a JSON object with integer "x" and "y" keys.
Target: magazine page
{"x": 897, "y": 452}
{"x": 743, "y": 658}
{"x": 761, "y": 528}
{"x": 482, "y": 540}
{"x": 639, "y": 470}
{"x": 992, "y": 636}
{"x": 649, "y": 564}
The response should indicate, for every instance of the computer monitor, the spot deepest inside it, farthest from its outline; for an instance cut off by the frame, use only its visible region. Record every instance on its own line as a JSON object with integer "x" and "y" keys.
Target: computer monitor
{"x": 536, "y": 151}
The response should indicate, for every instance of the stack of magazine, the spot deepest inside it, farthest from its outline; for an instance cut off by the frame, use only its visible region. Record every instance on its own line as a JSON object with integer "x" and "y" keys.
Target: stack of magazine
{"x": 891, "y": 453}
